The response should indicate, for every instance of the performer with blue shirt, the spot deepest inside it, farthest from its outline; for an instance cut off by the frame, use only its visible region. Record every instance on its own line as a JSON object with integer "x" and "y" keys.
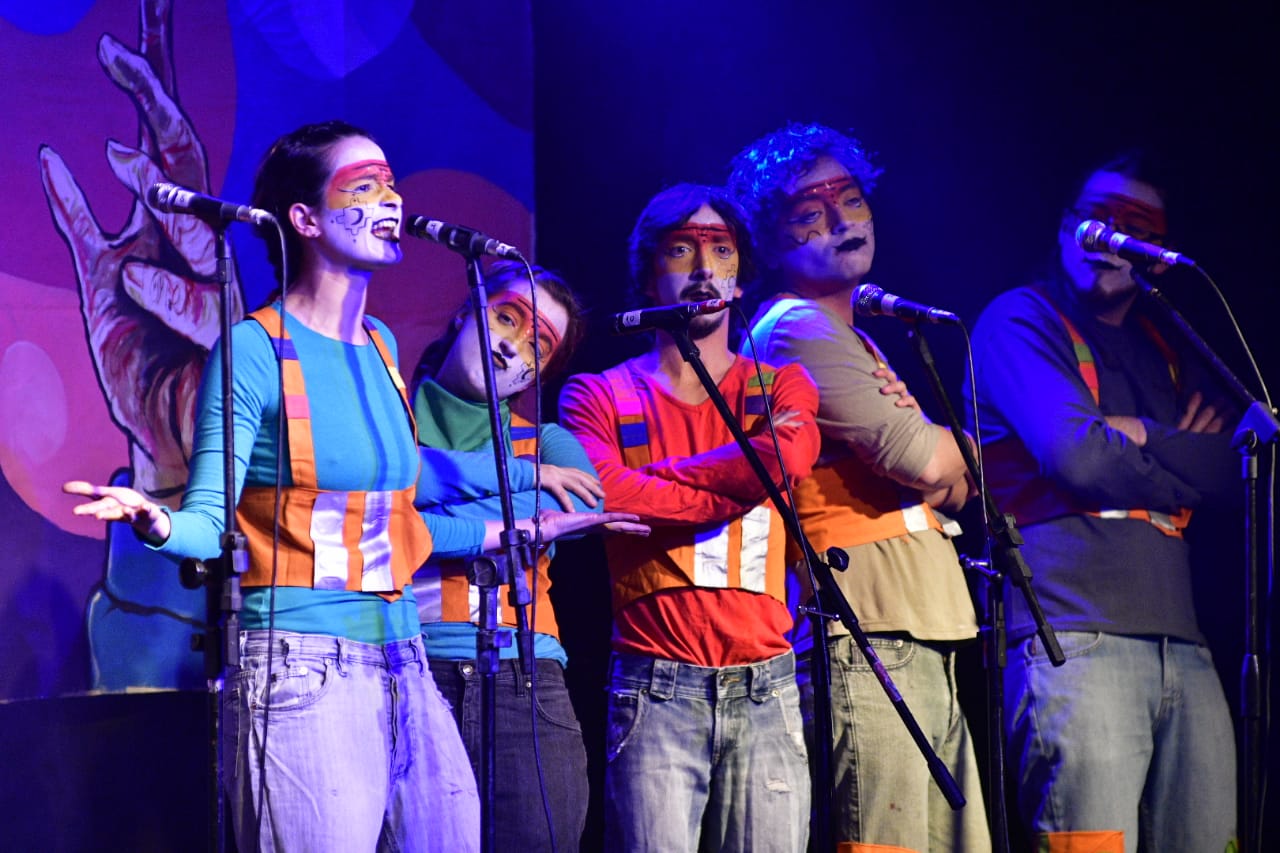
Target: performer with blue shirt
{"x": 359, "y": 753}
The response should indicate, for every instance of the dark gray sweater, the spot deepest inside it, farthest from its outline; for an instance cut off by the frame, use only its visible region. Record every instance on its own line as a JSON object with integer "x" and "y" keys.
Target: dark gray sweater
{"x": 1120, "y": 576}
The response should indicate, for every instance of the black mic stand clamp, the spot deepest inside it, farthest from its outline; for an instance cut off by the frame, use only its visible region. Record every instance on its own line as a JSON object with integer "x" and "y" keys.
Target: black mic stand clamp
{"x": 220, "y": 577}
{"x": 489, "y": 572}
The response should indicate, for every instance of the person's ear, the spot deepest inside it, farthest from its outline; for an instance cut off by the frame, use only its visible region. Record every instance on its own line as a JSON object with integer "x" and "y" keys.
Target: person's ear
{"x": 304, "y": 220}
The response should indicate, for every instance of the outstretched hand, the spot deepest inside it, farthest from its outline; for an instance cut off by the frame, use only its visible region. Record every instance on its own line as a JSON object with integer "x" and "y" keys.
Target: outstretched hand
{"x": 118, "y": 503}
{"x": 555, "y": 524}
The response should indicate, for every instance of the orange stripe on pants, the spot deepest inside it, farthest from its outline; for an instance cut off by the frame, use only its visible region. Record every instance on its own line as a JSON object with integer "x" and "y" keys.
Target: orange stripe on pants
{"x": 1098, "y": 841}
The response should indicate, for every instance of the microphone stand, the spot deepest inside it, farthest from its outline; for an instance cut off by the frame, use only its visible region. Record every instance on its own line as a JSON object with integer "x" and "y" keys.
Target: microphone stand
{"x": 220, "y": 641}
{"x": 488, "y": 573}
{"x": 1003, "y": 541}
{"x": 1258, "y": 428}
{"x": 831, "y": 604}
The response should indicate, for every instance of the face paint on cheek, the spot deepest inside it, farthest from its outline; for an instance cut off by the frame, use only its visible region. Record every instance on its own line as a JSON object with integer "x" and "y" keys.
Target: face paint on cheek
{"x": 696, "y": 246}
{"x": 511, "y": 319}
{"x": 351, "y": 218}
{"x": 356, "y": 191}
{"x": 807, "y": 212}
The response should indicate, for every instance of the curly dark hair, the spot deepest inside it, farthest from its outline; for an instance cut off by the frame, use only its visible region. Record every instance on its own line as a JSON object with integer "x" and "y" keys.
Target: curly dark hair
{"x": 670, "y": 209}
{"x": 502, "y": 276}
{"x": 293, "y": 171}
{"x": 759, "y": 172}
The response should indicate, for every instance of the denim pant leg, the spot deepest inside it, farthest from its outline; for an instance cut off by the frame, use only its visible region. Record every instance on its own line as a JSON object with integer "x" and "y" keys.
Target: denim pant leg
{"x": 1088, "y": 738}
{"x": 1190, "y": 801}
{"x": 435, "y": 807}
{"x": 343, "y": 763}
{"x": 884, "y": 792}
{"x": 1080, "y": 735}
{"x": 695, "y": 749}
{"x": 760, "y": 790}
{"x": 520, "y": 814}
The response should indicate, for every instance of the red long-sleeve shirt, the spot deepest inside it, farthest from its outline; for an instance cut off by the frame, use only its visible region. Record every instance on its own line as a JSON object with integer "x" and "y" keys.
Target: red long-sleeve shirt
{"x": 698, "y": 476}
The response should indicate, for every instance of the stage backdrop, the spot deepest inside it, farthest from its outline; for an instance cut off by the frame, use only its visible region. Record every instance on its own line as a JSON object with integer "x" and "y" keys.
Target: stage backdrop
{"x": 107, "y": 312}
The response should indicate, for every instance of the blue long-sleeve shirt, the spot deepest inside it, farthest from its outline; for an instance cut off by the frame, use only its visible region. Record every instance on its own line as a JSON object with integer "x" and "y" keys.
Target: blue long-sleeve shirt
{"x": 362, "y": 441}
{"x": 463, "y": 486}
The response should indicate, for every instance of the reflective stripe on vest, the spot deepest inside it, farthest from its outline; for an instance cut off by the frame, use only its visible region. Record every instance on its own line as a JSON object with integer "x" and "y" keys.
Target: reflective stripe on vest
{"x": 1169, "y": 524}
{"x": 746, "y": 552}
{"x": 360, "y": 541}
{"x": 444, "y": 592}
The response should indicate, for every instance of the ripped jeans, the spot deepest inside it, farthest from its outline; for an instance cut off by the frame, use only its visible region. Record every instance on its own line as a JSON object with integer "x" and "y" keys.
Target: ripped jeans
{"x": 712, "y": 753}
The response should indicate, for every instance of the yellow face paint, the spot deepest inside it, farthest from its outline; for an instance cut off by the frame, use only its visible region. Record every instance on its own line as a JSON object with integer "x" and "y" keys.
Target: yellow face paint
{"x": 810, "y": 209}
{"x": 698, "y": 246}
{"x": 361, "y": 184}
{"x": 511, "y": 318}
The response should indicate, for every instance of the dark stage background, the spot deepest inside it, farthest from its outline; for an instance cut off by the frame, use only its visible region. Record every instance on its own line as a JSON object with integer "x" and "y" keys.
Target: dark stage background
{"x": 983, "y": 118}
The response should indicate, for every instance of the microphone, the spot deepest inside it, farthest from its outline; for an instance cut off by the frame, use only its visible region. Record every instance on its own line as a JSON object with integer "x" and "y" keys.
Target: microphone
{"x": 665, "y": 317}
{"x": 1095, "y": 236}
{"x": 870, "y": 301}
{"x": 172, "y": 198}
{"x": 464, "y": 240}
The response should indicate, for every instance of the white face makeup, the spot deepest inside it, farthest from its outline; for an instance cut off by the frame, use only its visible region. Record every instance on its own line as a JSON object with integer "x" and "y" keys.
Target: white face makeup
{"x": 511, "y": 344}
{"x": 362, "y": 210}
{"x": 1104, "y": 280}
{"x": 824, "y": 239}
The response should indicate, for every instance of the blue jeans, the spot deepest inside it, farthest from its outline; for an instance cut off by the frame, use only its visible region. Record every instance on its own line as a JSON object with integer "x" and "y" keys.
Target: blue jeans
{"x": 715, "y": 754}
{"x": 361, "y": 753}
{"x": 884, "y": 792}
{"x": 520, "y": 821}
{"x": 1130, "y": 734}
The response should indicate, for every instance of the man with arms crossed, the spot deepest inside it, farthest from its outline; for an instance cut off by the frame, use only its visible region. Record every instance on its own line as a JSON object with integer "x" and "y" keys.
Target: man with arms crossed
{"x": 883, "y": 468}
{"x": 705, "y": 739}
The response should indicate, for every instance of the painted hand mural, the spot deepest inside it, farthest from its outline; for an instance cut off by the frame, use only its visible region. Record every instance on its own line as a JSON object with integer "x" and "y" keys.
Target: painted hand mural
{"x": 151, "y": 313}
{"x": 107, "y": 307}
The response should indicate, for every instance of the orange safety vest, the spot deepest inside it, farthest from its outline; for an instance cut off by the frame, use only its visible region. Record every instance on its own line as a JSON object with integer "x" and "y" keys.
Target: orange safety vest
{"x": 1033, "y": 498}
{"x": 846, "y": 503}
{"x": 444, "y": 592}
{"x": 358, "y": 541}
{"x": 746, "y": 552}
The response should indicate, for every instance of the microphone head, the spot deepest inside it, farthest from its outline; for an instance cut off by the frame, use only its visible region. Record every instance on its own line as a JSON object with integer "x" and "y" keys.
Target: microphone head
{"x": 1091, "y": 235}
{"x": 865, "y": 300}
{"x": 416, "y": 226}
{"x": 159, "y": 193}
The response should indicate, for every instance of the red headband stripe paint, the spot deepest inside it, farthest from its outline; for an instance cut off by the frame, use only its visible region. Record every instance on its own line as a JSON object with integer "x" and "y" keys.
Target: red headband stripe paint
{"x": 378, "y": 169}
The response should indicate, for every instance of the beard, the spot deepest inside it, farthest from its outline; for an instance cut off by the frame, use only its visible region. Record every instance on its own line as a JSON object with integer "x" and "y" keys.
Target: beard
{"x": 702, "y": 327}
